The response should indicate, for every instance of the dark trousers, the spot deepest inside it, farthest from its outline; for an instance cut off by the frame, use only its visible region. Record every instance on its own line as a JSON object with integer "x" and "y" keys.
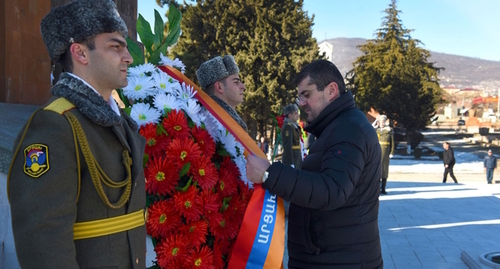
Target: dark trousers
{"x": 489, "y": 174}
{"x": 445, "y": 175}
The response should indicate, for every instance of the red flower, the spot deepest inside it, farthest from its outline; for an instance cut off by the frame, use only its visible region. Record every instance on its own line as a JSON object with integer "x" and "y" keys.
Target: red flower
{"x": 182, "y": 151}
{"x": 220, "y": 250}
{"x": 204, "y": 172}
{"x": 189, "y": 204}
{"x": 176, "y": 124}
{"x": 211, "y": 202}
{"x": 203, "y": 258}
{"x": 155, "y": 144}
{"x": 162, "y": 219}
{"x": 173, "y": 251}
{"x": 204, "y": 140}
{"x": 161, "y": 176}
{"x": 280, "y": 119}
{"x": 224, "y": 230}
{"x": 227, "y": 184}
{"x": 196, "y": 232}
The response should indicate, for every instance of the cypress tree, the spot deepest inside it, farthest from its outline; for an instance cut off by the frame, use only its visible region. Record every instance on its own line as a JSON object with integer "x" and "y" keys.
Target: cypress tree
{"x": 394, "y": 77}
{"x": 270, "y": 41}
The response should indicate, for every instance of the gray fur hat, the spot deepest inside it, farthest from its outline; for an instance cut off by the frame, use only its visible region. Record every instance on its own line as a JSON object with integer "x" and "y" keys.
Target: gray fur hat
{"x": 289, "y": 109}
{"x": 77, "y": 22}
{"x": 382, "y": 118}
{"x": 216, "y": 69}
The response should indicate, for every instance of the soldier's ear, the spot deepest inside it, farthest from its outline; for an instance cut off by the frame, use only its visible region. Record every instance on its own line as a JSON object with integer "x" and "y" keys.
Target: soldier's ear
{"x": 218, "y": 87}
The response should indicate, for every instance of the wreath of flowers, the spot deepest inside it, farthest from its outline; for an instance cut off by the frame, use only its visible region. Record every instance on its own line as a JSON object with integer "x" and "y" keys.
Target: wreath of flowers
{"x": 196, "y": 182}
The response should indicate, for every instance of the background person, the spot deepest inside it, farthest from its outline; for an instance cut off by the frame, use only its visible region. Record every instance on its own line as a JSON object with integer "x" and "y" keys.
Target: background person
{"x": 449, "y": 162}
{"x": 333, "y": 220}
{"x": 386, "y": 141}
{"x": 490, "y": 165}
{"x": 263, "y": 145}
{"x": 79, "y": 158}
{"x": 219, "y": 77}
{"x": 291, "y": 134}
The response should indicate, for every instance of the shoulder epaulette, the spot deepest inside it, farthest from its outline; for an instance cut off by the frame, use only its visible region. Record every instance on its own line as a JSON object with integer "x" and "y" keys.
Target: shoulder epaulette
{"x": 60, "y": 106}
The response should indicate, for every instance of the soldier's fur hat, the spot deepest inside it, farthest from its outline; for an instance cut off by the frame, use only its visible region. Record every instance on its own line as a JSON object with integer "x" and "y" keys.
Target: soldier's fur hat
{"x": 289, "y": 109}
{"x": 216, "y": 69}
{"x": 382, "y": 118}
{"x": 77, "y": 22}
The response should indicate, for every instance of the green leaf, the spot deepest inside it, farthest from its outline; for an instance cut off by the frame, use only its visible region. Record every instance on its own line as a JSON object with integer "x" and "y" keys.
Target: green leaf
{"x": 184, "y": 169}
{"x": 222, "y": 152}
{"x": 184, "y": 189}
{"x": 155, "y": 56}
{"x": 127, "y": 110}
{"x": 159, "y": 28}
{"x": 123, "y": 97}
{"x": 174, "y": 17}
{"x": 145, "y": 159}
{"x": 136, "y": 53}
{"x": 173, "y": 35}
{"x": 174, "y": 25}
{"x": 144, "y": 31}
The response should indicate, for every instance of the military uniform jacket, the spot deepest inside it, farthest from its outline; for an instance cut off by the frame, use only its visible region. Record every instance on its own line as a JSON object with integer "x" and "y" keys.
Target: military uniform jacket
{"x": 292, "y": 152}
{"x": 48, "y": 196}
{"x": 386, "y": 141}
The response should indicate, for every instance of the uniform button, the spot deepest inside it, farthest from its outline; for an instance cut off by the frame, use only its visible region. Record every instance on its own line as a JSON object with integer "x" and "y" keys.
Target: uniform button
{"x": 135, "y": 185}
{"x": 137, "y": 260}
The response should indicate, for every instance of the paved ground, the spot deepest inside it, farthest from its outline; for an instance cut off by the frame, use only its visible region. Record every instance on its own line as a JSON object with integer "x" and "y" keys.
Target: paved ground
{"x": 427, "y": 224}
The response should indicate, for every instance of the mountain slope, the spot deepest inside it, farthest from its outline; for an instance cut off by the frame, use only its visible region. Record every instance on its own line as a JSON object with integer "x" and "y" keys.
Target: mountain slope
{"x": 460, "y": 71}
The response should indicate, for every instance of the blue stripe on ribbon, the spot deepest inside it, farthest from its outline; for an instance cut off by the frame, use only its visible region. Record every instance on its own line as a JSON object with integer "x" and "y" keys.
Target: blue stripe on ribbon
{"x": 262, "y": 242}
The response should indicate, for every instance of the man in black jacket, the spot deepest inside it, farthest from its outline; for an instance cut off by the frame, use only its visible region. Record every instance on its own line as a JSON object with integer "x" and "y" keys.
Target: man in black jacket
{"x": 449, "y": 162}
{"x": 333, "y": 219}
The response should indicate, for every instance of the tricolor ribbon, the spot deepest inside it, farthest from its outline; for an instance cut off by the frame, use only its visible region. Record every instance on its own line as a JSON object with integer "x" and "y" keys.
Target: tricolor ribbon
{"x": 261, "y": 240}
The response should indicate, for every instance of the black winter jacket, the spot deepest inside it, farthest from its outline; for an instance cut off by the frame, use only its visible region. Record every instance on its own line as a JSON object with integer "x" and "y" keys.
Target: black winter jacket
{"x": 333, "y": 219}
{"x": 449, "y": 157}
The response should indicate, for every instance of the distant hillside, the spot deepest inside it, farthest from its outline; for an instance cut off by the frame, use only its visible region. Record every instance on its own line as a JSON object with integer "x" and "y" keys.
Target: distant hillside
{"x": 461, "y": 71}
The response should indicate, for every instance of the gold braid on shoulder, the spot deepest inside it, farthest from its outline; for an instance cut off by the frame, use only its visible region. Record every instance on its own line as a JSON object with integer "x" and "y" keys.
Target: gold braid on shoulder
{"x": 97, "y": 174}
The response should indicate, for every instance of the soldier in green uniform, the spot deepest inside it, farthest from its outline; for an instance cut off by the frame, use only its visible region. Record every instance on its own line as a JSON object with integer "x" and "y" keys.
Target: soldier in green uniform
{"x": 76, "y": 182}
{"x": 291, "y": 133}
{"x": 386, "y": 140}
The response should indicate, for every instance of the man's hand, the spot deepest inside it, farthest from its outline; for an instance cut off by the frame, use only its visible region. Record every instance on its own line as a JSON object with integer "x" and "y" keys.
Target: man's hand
{"x": 445, "y": 166}
{"x": 256, "y": 167}
{"x": 390, "y": 156}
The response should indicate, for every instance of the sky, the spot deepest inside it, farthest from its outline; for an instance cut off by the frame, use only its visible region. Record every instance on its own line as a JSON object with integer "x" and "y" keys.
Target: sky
{"x": 460, "y": 27}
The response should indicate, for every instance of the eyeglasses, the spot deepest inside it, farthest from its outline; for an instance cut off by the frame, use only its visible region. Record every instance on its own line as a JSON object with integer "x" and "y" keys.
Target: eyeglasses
{"x": 302, "y": 98}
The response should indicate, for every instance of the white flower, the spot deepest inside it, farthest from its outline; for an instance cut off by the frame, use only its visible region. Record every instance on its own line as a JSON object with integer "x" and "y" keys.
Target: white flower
{"x": 185, "y": 92}
{"x": 192, "y": 109}
{"x": 163, "y": 82}
{"x": 144, "y": 114}
{"x": 241, "y": 163}
{"x": 164, "y": 101}
{"x": 139, "y": 87}
{"x": 229, "y": 143}
{"x": 142, "y": 70}
{"x": 213, "y": 126}
{"x": 174, "y": 63}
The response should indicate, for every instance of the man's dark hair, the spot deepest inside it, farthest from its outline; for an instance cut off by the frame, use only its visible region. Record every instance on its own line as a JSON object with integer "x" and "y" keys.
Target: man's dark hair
{"x": 66, "y": 60}
{"x": 210, "y": 90}
{"x": 322, "y": 73}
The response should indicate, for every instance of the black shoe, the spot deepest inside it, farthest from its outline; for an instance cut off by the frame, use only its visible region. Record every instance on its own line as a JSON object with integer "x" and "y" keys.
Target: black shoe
{"x": 383, "y": 192}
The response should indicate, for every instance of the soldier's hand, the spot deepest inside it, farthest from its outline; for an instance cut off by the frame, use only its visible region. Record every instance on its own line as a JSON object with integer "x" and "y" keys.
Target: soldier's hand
{"x": 390, "y": 156}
